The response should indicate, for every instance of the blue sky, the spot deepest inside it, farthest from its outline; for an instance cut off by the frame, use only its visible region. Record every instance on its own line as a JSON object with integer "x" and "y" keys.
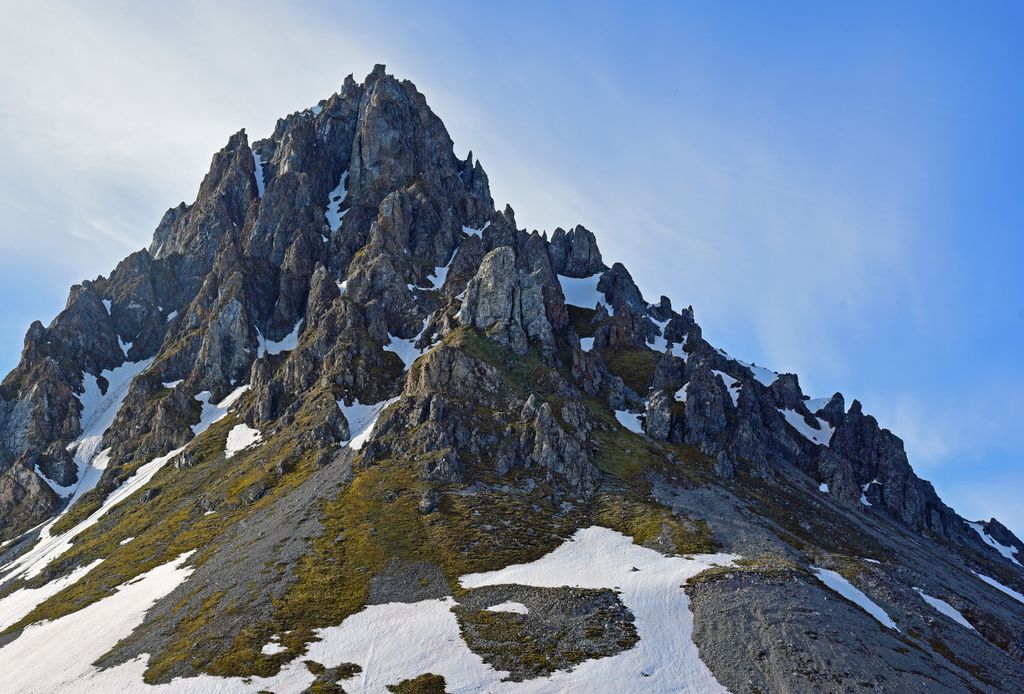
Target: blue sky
{"x": 837, "y": 192}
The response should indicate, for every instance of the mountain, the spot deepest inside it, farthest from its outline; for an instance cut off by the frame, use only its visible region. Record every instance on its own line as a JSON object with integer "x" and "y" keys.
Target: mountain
{"x": 344, "y": 426}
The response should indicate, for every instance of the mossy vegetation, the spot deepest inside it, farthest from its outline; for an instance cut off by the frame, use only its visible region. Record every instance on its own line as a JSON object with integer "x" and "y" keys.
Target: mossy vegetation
{"x": 525, "y": 374}
{"x": 427, "y": 683}
{"x": 376, "y": 520}
{"x": 582, "y": 320}
{"x": 83, "y": 508}
{"x": 653, "y": 526}
{"x": 634, "y": 366}
{"x": 764, "y": 565}
{"x": 563, "y": 627}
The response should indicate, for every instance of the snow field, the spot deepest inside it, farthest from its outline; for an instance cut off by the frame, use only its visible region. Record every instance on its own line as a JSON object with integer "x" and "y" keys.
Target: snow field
{"x": 398, "y": 641}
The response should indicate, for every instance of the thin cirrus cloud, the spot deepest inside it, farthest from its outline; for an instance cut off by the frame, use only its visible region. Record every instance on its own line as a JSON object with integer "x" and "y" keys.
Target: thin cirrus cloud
{"x": 796, "y": 183}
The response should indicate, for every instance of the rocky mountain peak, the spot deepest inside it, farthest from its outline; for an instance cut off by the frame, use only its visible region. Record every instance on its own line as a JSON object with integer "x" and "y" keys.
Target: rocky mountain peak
{"x": 341, "y": 365}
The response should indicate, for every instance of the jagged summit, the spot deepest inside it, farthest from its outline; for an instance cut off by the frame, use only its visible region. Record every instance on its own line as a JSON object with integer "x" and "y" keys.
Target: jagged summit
{"x": 341, "y": 373}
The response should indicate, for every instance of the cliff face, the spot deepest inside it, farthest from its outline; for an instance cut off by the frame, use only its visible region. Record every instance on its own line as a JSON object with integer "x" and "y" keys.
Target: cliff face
{"x": 425, "y": 390}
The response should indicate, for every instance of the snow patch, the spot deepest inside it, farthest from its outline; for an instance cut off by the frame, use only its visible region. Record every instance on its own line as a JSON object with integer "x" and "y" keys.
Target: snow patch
{"x": 731, "y": 385}
{"x": 659, "y": 343}
{"x": 678, "y": 350}
{"x": 509, "y": 606}
{"x": 361, "y": 420}
{"x": 864, "y": 489}
{"x": 629, "y": 420}
{"x": 49, "y": 548}
{"x": 666, "y": 658}
{"x": 680, "y": 395}
{"x": 823, "y": 488}
{"x": 583, "y": 292}
{"x": 126, "y": 540}
{"x": 335, "y": 198}
{"x": 62, "y": 652}
{"x": 821, "y": 436}
{"x": 272, "y": 648}
{"x": 765, "y": 376}
{"x": 171, "y": 316}
{"x": 441, "y": 274}
{"x": 106, "y": 305}
{"x": 946, "y": 609}
{"x": 999, "y": 586}
{"x": 840, "y": 585}
{"x": 213, "y": 413}
{"x": 32, "y": 562}
{"x": 476, "y": 232}
{"x": 1007, "y": 552}
{"x": 22, "y": 601}
{"x": 285, "y": 344}
{"x": 98, "y": 413}
{"x": 257, "y": 161}
{"x": 406, "y": 350}
{"x": 815, "y": 404}
{"x": 172, "y": 384}
{"x": 397, "y": 641}
{"x": 586, "y": 344}
{"x": 240, "y": 437}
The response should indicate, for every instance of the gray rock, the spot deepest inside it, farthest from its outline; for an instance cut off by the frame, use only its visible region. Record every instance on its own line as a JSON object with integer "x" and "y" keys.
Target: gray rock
{"x": 507, "y": 303}
{"x": 575, "y": 253}
{"x": 658, "y": 420}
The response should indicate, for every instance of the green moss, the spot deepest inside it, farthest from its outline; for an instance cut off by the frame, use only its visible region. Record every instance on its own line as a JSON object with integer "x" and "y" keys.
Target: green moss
{"x": 314, "y": 667}
{"x": 511, "y": 632}
{"x": 187, "y": 341}
{"x": 427, "y": 683}
{"x": 347, "y": 671}
{"x": 375, "y": 520}
{"x": 582, "y": 320}
{"x": 186, "y": 640}
{"x": 653, "y": 526}
{"x": 846, "y": 566}
{"x": 634, "y": 366}
{"x": 627, "y": 457}
{"x": 526, "y": 374}
{"x": 765, "y": 565}
{"x": 94, "y": 498}
{"x": 83, "y": 508}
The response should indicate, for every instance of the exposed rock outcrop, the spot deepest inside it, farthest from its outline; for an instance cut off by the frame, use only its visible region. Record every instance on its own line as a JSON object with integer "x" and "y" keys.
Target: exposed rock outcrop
{"x": 507, "y": 302}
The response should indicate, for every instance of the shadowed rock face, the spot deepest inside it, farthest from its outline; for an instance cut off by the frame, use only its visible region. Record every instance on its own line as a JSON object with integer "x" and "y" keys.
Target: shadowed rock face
{"x": 350, "y": 259}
